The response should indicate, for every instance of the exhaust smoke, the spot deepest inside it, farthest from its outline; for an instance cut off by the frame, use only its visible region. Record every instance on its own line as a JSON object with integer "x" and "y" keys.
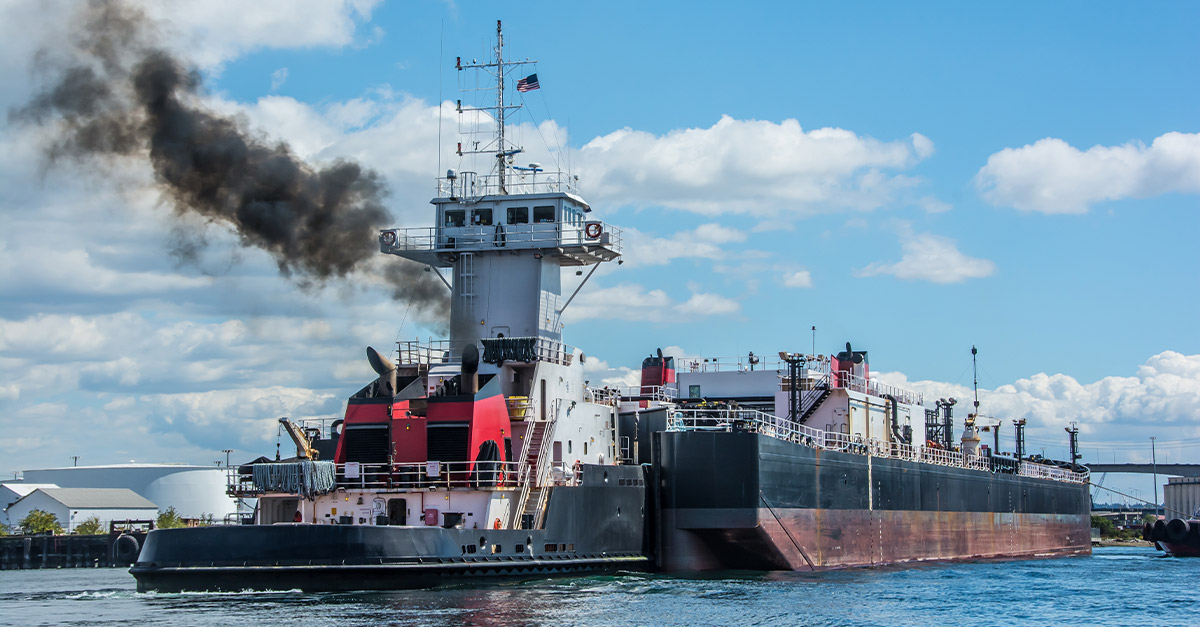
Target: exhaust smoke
{"x": 114, "y": 93}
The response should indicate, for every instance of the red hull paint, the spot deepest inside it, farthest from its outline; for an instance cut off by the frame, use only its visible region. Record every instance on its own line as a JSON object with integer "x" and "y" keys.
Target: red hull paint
{"x": 1180, "y": 549}
{"x": 812, "y": 539}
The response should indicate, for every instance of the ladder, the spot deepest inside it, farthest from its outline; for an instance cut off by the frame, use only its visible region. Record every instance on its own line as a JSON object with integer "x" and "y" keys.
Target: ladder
{"x": 535, "y": 472}
{"x": 466, "y": 281}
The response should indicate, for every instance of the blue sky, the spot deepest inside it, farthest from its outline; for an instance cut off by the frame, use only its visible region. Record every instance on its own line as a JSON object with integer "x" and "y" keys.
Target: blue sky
{"x": 912, "y": 178}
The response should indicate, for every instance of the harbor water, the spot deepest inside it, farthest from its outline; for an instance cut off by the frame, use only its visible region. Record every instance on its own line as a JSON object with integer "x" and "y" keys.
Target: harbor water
{"x": 1114, "y": 586}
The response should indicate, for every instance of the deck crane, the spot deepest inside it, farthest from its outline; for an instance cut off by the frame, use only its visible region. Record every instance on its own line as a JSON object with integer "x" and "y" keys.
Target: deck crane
{"x": 304, "y": 447}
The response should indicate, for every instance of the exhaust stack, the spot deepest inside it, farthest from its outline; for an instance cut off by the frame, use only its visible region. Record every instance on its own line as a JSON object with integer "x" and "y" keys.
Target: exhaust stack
{"x": 470, "y": 369}
{"x": 386, "y": 371}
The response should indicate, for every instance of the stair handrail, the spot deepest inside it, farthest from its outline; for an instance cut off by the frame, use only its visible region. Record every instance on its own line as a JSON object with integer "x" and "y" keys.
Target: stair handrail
{"x": 519, "y": 507}
{"x": 544, "y": 465}
{"x": 809, "y": 399}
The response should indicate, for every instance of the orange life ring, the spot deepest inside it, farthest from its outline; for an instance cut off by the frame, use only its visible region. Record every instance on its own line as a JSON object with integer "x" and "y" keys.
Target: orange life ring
{"x": 496, "y": 525}
{"x": 592, "y": 230}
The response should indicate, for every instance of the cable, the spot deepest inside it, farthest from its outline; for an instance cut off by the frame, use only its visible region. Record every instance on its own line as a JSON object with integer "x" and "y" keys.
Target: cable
{"x": 1143, "y": 501}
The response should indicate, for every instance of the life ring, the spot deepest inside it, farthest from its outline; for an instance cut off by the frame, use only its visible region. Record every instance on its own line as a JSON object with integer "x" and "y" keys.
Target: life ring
{"x": 592, "y": 230}
{"x": 496, "y": 525}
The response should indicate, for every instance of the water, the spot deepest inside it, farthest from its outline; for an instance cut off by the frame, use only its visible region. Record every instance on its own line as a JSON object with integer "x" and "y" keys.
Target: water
{"x": 1115, "y": 586}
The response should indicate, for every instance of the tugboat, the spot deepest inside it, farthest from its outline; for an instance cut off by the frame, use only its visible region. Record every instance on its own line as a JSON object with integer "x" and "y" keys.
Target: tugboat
{"x": 485, "y": 455}
{"x": 1177, "y": 537}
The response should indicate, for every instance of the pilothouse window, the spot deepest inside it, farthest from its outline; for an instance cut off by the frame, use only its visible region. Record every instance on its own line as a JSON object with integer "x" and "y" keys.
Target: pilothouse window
{"x": 483, "y": 217}
{"x": 456, "y": 217}
{"x": 542, "y": 215}
{"x": 518, "y": 215}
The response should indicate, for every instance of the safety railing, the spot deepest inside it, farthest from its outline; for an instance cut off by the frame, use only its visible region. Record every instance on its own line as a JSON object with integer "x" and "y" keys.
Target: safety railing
{"x": 753, "y": 421}
{"x": 1031, "y": 469}
{"x": 530, "y": 349}
{"x": 870, "y": 386}
{"x": 477, "y": 475}
{"x": 658, "y": 393}
{"x": 469, "y": 184}
{"x": 413, "y": 352}
{"x": 449, "y": 239}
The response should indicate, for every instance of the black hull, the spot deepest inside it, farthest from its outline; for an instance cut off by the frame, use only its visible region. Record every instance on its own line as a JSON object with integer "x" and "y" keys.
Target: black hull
{"x": 595, "y": 527}
{"x": 331, "y": 578}
{"x": 742, "y": 500}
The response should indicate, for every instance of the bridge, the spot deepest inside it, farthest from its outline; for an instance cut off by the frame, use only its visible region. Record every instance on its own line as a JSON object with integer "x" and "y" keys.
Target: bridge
{"x": 1169, "y": 470}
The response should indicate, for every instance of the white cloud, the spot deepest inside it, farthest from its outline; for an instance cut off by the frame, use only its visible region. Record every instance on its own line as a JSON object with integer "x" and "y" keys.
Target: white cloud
{"x": 797, "y": 278}
{"x": 629, "y": 301}
{"x": 278, "y": 78}
{"x": 215, "y": 31}
{"x": 1163, "y": 398}
{"x": 1051, "y": 176}
{"x": 933, "y": 205}
{"x": 749, "y": 166}
{"x": 931, "y": 258}
{"x": 703, "y": 242}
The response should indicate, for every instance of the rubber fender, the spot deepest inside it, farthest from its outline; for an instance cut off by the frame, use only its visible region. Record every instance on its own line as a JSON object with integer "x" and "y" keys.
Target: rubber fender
{"x": 1177, "y": 530}
{"x": 1147, "y": 531}
{"x": 126, "y": 549}
{"x": 1160, "y": 531}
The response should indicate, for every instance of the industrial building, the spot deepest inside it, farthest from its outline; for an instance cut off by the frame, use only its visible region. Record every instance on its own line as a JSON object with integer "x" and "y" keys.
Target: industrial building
{"x": 1181, "y": 496}
{"x": 11, "y": 492}
{"x": 72, "y": 506}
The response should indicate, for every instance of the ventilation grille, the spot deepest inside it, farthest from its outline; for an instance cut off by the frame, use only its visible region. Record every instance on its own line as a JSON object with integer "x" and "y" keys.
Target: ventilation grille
{"x": 448, "y": 443}
{"x": 367, "y": 445}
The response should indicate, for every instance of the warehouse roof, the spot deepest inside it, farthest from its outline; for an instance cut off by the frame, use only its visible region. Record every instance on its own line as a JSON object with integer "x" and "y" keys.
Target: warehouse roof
{"x": 97, "y": 498}
{"x": 21, "y": 489}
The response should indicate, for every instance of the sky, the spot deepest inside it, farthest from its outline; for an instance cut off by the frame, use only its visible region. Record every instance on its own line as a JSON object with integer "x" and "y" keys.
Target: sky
{"x": 914, "y": 179}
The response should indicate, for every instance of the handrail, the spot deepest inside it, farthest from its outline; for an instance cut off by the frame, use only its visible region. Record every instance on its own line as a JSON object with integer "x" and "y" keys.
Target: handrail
{"x": 660, "y": 393}
{"x": 544, "y": 477}
{"x": 468, "y": 184}
{"x": 449, "y": 239}
{"x": 854, "y": 382}
{"x": 442, "y": 351}
{"x": 754, "y": 421}
{"x": 477, "y": 475}
{"x": 817, "y": 389}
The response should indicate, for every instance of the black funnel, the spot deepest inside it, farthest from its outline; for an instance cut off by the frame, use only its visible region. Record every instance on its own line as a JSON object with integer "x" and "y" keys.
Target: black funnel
{"x": 386, "y": 371}
{"x": 470, "y": 369}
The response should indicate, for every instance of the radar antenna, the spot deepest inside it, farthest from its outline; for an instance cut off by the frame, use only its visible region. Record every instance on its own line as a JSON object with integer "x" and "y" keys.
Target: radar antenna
{"x": 500, "y": 148}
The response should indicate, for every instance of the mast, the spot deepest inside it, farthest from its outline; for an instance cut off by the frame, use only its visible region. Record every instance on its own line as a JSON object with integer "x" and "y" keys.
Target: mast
{"x": 501, "y": 150}
{"x": 500, "y": 107}
{"x": 975, "y": 375}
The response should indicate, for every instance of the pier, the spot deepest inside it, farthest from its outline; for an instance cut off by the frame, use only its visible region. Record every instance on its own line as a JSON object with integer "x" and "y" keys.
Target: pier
{"x": 69, "y": 551}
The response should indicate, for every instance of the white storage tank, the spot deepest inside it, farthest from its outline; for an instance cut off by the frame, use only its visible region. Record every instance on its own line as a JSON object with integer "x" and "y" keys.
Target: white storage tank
{"x": 194, "y": 491}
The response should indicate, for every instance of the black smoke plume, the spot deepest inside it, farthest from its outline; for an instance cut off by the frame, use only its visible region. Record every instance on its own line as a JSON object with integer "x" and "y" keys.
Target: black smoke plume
{"x": 114, "y": 92}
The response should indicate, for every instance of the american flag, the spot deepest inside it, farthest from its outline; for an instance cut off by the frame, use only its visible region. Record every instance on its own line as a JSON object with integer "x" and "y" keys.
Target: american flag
{"x": 529, "y": 83}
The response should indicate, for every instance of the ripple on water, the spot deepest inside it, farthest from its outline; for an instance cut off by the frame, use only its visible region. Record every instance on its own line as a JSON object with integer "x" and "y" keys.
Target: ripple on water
{"x": 1115, "y": 586}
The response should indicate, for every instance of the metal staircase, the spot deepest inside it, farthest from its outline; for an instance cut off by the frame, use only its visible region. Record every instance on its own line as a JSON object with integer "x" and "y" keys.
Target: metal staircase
{"x": 812, "y": 399}
{"x": 535, "y": 474}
